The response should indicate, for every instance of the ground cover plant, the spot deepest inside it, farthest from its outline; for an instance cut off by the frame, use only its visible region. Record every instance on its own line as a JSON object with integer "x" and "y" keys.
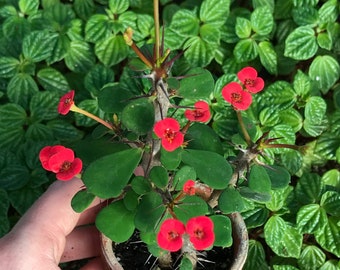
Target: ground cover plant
{"x": 230, "y": 108}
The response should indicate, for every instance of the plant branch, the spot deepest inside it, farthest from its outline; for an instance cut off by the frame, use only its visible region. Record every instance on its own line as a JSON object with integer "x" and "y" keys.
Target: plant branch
{"x": 157, "y": 36}
{"x": 243, "y": 128}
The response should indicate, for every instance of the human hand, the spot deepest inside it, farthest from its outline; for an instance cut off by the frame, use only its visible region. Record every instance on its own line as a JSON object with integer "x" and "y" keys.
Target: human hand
{"x": 51, "y": 232}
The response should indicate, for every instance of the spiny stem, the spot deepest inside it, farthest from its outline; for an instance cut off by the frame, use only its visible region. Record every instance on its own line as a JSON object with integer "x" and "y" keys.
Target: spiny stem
{"x": 243, "y": 128}
{"x": 282, "y": 145}
{"x": 156, "y": 18}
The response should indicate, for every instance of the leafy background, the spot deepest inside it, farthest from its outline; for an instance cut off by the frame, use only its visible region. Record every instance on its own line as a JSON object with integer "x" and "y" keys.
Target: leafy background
{"x": 48, "y": 47}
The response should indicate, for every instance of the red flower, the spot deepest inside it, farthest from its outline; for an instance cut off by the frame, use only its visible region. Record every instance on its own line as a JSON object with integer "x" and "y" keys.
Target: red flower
{"x": 236, "y": 96}
{"x": 189, "y": 187}
{"x": 168, "y": 130}
{"x": 201, "y": 113}
{"x": 170, "y": 234}
{"x": 248, "y": 77}
{"x": 66, "y": 102}
{"x": 201, "y": 232}
{"x": 60, "y": 160}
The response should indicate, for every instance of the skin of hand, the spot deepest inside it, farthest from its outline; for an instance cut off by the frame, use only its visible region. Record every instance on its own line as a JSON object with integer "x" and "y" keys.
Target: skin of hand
{"x": 50, "y": 232}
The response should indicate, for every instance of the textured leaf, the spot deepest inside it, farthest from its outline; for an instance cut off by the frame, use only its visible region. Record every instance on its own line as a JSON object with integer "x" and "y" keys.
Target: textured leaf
{"x": 308, "y": 188}
{"x": 330, "y": 201}
{"x": 28, "y": 6}
{"x": 12, "y": 115}
{"x": 256, "y": 258}
{"x": 329, "y": 237}
{"x": 278, "y": 198}
{"x": 53, "y": 79}
{"x": 262, "y": 21}
{"x": 118, "y": 7}
{"x": 311, "y": 258}
{"x": 315, "y": 110}
{"x": 38, "y": 45}
{"x": 311, "y": 218}
{"x": 302, "y": 84}
{"x": 185, "y": 23}
{"x": 245, "y": 50}
{"x": 84, "y": 8}
{"x": 98, "y": 77}
{"x": 214, "y": 12}
{"x": 324, "y": 71}
{"x": 301, "y": 43}
{"x": 199, "y": 52}
{"x": 268, "y": 56}
{"x": 292, "y": 118}
{"x": 4, "y": 205}
{"x": 8, "y": 67}
{"x": 242, "y": 27}
{"x": 43, "y": 106}
{"x": 79, "y": 57}
{"x": 111, "y": 181}
{"x": 91, "y": 106}
{"x": 97, "y": 28}
{"x": 283, "y": 239}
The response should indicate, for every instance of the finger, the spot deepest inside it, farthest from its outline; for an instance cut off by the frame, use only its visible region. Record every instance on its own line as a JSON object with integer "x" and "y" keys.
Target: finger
{"x": 95, "y": 264}
{"x": 83, "y": 242}
{"x": 89, "y": 215}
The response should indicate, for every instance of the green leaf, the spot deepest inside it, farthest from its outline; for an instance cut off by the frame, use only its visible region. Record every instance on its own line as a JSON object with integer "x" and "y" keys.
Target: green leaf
{"x": 43, "y": 106}
{"x": 12, "y": 115}
{"x": 182, "y": 175}
{"x": 185, "y": 23}
{"x": 285, "y": 134}
{"x": 305, "y": 15}
{"x": 256, "y": 258}
{"x": 330, "y": 201}
{"x": 231, "y": 201}
{"x": 259, "y": 180}
{"x": 28, "y": 6}
{"x": 255, "y": 217}
{"x": 262, "y": 20}
{"x": 199, "y": 52}
{"x": 313, "y": 129}
{"x": 106, "y": 183}
{"x": 112, "y": 50}
{"x": 278, "y": 198}
{"x": 311, "y": 218}
{"x": 210, "y": 34}
{"x": 214, "y": 12}
{"x": 283, "y": 239}
{"x": 315, "y": 110}
{"x": 159, "y": 176}
{"x": 38, "y": 45}
{"x": 268, "y": 56}
{"x": 90, "y": 105}
{"x": 79, "y": 57}
{"x": 149, "y": 212}
{"x": 97, "y": 28}
{"x": 301, "y": 3}
{"x": 302, "y": 84}
{"x": 97, "y": 78}
{"x": 138, "y": 116}
{"x": 243, "y": 27}
{"x": 324, "y": 71}
{"x": 269, "y": 117}
{"x": 140, "y": 185}
{"x": 65, "y": 131}
{"x": 118, "y": 7}
{"x": 23, "y": 198}
{"x": 292, "y": 118}
{"x": 8, "y": 67}
{"x": 222, "y": 231}
{"x": 197, "y": 84}
{"x": 16, "y": 27}
{"x": 245, "y": 50}
{"x": 308, "y": 188}
{"x": 171, "y": 160}
{"x": 252, "y": 195}
{"x": 301, "y": 43}
{"x": 329, "y": 11}
{"x": 191, "y": 206}
{"x": 202, "y": 137}
{"x": 330, "y": 265}
{"x": 332, "y": 178}
{"x": 4, "y": 205}
{"x": 53, "y": 79}
{"x": 21, "y": 88}
{"x": 84, "y": 9}
{"x": 325, "y": 41}
{"x": 279, "y": 176}
{"x": 329, "y": 237}
{"x": 116, "y": 222}
{"x": 81, "y": 200}
{"x": 311, "y": 257}
{"x": 113, "y": 98}
{"x": 211, "y": 167}
{"x": 39, "y": 132}
{"x": 11, "y": 138}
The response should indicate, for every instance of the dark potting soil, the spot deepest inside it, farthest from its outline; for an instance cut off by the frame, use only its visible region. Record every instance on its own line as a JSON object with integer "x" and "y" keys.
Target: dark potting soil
{"x": 134, "y": 255}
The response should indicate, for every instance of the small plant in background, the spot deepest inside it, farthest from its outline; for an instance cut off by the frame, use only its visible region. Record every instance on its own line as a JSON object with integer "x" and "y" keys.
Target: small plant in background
{"x": 230, "y": 111}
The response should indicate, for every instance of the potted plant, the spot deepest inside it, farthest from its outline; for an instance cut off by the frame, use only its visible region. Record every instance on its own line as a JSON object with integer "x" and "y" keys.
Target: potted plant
{"x": 216, "y": 142}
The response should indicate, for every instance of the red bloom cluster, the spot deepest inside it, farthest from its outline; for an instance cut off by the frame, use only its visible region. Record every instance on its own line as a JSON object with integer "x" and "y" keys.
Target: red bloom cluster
{"x": 66, "y": 102}
{"x": 239, "y": 95}
{"x": 61, "y": 161}
{"x": 189, "y": 187}
{"x": 200, "y": 230}
{"x": 168, "y": 130}
{"x": 201, "y": 113}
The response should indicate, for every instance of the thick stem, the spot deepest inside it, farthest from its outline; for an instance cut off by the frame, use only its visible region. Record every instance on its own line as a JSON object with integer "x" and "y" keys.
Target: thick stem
{"x": 157, "y": 36}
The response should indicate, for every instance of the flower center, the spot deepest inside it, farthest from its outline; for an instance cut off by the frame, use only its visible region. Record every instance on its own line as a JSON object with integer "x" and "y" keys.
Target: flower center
{"x": 199, "y": 234}
{"x": 197, "y": 114}
{"x": 249, "y": 82}
{"x": 169, "y": 134}
{"x": 66, "y": 166}
{"x": 236, "y": 97}
{"x": 172, "y": 235}
{"x": 68, "y": 101}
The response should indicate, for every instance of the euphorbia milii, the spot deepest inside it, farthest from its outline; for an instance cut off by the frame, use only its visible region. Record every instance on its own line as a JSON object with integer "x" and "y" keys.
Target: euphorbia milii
{"x": 201, "y": 113}
{"x": 168, "y": 130}
{"x": 236, "y": 96}
{"x": 248, "y": 77}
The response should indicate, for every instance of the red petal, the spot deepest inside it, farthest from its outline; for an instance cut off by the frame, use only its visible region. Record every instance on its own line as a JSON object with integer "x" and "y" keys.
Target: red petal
{"x": 233, "y": 88}
{"x": 245, "y": 103}
{"x": 166, "y": 123}
{"x": 75, "y": 168}
{"x": 57, "y": 160}
{"x": 205, "y": 226}
{"x": 201, "y": 113}
{"x": 189, "y": 187}
{"x": 230, "y": 88}
{"x": 168, "y": 227}
{"x": 247, "y": 73}
{"x": 257, "y": 87}
{"x": 66, "y": 102}
{"x": 47, "y": 152}
{"x": 175, "y": 143}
